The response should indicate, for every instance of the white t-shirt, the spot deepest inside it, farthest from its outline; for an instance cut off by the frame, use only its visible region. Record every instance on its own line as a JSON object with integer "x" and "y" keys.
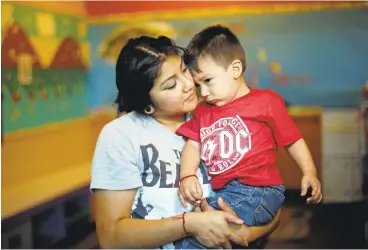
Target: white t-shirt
{"x": 135, "y": 151}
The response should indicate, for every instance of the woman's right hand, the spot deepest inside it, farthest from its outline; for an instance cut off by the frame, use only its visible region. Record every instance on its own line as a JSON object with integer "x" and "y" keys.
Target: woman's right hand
{"x": 211, "y": 228}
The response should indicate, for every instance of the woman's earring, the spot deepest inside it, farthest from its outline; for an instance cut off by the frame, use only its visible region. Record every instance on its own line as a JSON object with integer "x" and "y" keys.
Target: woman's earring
{"x": 149, "y": 110}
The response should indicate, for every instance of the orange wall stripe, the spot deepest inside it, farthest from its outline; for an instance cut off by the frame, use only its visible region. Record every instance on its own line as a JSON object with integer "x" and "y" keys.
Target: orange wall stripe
{"x": 223, "y": 11}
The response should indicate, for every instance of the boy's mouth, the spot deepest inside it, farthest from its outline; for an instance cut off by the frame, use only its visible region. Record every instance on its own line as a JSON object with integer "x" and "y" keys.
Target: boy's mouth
{"x": 212, "y": 102}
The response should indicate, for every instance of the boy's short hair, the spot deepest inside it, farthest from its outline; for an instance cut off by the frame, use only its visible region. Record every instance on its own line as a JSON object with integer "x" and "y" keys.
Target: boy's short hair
{"x": 218, "y": 42}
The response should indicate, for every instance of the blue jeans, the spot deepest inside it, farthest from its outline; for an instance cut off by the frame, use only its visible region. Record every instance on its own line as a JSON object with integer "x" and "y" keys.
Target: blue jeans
{"x": 254, "y": 205}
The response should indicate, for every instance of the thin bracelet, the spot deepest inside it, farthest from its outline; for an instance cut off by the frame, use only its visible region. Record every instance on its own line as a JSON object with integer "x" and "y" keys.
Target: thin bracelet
{"x": 185, "y": 230}
{"x": 192, "y": 175}
{"x": 181, "y": 217}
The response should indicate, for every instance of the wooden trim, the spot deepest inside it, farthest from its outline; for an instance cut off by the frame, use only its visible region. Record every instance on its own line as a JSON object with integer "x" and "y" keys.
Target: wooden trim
{"x": 23, "y": 196}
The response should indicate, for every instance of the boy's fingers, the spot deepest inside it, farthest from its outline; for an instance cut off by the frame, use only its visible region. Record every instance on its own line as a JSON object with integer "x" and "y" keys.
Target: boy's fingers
{"x": 199, "y": 192}
{"x": 304, "y": 190}
{"x": 182, "y": 200}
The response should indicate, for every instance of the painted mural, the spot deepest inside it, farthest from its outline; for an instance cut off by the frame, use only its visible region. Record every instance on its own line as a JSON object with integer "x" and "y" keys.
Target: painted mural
{"x": 110, "y": 47}
{"x": 44, "y": 64}
{"x": 311, "y": 59}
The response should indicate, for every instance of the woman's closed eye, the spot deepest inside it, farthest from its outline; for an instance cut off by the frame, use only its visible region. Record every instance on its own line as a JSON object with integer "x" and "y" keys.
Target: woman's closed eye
{"x": 172, "y": 86}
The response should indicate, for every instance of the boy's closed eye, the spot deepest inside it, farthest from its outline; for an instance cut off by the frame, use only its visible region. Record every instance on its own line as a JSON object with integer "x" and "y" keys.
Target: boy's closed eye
{"x": 207, "y": 80}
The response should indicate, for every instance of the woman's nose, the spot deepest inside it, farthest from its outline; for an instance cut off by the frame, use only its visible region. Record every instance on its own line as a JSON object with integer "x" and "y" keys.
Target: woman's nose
{"x": 188, "y": 84}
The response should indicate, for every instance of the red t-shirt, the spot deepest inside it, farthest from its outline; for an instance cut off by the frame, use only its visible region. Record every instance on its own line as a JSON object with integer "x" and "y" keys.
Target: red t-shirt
{"x": 239, "y": 140}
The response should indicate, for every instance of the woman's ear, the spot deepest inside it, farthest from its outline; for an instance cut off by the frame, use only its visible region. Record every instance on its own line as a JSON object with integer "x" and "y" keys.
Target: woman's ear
{"x": 149, "y": 110}
{"x": 237, "y": 68}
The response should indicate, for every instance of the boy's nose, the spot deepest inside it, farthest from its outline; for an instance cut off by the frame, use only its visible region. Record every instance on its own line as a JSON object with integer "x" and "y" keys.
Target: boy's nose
{"x": 204, "y": 92}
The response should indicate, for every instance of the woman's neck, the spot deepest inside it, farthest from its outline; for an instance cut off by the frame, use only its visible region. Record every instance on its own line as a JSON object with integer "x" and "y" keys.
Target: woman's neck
{"x": 172, "y": 122}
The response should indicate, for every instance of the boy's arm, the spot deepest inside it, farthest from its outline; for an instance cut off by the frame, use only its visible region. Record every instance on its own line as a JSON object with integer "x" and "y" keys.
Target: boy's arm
{"x": 190, "y": 158}
{"x": 190, "y": 188}
{"x": 300, "y": 153}
{"x": 288, "y": 136}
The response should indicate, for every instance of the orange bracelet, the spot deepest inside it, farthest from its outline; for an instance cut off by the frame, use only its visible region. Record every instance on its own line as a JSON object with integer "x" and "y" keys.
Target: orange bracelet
{"x": 181, "y": 217}
{"x": 185, "y": 230}
{"x": 192, "y": 175}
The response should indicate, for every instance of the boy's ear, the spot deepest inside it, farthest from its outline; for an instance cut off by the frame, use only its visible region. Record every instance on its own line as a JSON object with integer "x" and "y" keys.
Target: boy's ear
{"x": 237, "y": 68}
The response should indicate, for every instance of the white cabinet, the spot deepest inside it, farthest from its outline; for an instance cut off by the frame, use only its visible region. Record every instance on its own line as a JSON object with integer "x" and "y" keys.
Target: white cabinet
{"x": 342, "y": 175}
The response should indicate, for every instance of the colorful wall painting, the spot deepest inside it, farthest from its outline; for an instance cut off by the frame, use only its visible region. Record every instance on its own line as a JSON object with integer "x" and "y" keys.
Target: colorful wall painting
{"x": 45, "y": 58}
{"x": 311, "y": 59}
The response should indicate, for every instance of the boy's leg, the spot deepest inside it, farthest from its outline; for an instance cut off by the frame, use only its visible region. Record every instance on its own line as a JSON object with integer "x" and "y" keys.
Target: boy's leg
{"x": 254, "y": 205}
{"x": 272, "y": 199}
{"x": 241, "y": 198}
{"x": 235, "y": 198}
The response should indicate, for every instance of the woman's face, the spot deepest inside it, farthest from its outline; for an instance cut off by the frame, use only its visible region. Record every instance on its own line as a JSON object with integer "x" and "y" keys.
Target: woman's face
{"x": 173, "y": 92}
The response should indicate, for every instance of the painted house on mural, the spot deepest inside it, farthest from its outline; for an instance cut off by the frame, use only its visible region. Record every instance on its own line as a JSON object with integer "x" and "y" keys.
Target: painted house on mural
{"x": 44, "y": 67}
{"x": 20, "y": 65}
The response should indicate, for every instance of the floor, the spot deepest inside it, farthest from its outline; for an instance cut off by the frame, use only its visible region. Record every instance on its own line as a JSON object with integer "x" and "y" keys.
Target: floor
{"x": 320, "y": 226}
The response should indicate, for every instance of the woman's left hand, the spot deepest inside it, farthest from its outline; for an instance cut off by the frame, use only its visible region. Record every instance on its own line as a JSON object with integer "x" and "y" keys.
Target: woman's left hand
{"x": 242, "y": 230}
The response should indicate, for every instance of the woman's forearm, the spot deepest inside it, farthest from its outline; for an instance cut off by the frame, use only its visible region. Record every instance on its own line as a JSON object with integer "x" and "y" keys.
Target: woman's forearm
{"x": 265, "y": 230}
{"x": 260, "y": 231}
{"x": 140, "y": 233}
{"x": 252, "y": 233}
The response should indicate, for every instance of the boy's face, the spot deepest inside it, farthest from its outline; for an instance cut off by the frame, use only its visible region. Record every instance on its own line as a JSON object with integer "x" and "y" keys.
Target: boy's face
{"x": 219, "y": 86}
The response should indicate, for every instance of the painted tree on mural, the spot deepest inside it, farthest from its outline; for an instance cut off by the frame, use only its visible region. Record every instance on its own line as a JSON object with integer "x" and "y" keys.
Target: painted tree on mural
{"x": 68, "y": 68}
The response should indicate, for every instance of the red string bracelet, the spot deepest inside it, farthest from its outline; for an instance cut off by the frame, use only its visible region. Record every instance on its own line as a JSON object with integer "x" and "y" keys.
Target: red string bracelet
{"x": 192, "y": 175}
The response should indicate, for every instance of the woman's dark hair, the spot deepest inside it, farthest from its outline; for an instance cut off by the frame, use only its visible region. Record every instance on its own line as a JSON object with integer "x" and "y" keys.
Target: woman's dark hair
{"x": 138, "y": 66}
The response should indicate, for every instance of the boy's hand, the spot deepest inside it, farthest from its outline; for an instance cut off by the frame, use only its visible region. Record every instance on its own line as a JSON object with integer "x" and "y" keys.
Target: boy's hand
{"x": 311, "y": 180}
{"x": 190, "y": 190}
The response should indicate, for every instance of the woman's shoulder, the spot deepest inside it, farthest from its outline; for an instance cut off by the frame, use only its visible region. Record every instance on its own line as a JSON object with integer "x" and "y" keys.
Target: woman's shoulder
{"x": 126, "y": 125}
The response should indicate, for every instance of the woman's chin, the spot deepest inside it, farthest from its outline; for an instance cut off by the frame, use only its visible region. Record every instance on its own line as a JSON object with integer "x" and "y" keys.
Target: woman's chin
{"x": 190, "y": 106}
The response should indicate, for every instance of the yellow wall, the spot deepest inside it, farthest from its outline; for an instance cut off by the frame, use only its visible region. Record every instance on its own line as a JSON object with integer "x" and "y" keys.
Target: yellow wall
{"x": 48, "y": 161}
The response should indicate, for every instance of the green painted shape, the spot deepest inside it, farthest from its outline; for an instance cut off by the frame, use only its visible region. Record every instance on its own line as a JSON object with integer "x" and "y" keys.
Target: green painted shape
{"x": 64, "y": 25}
{"x": 26, "y": 17}
{"x": 39, "y": 111}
